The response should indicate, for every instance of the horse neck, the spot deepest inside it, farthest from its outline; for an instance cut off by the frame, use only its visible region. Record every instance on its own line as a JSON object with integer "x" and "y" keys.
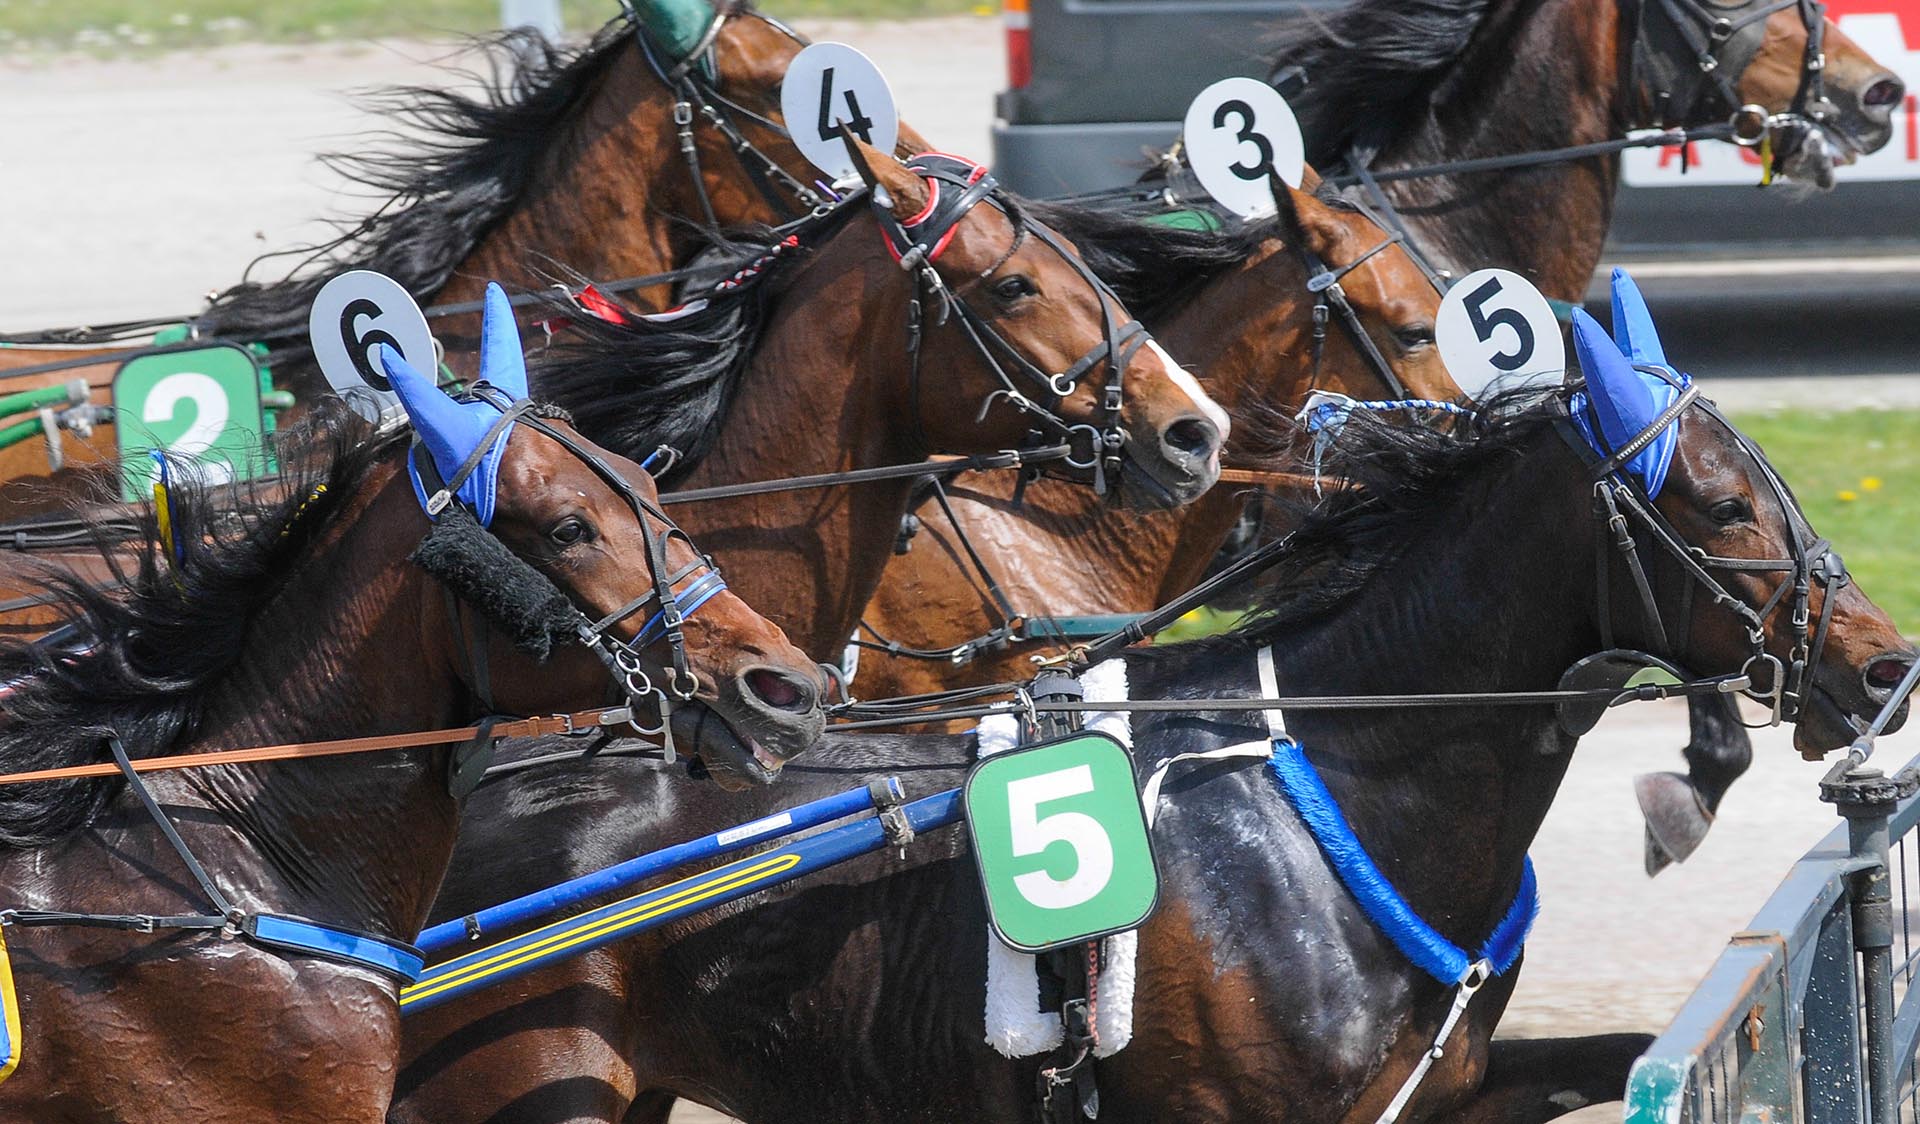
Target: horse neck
{"x": 608, "y": 201}
{"x": 825, "y": 392}
{"x": 339, "y": 653}
{"x": 1545, "y": 74}
{"x": 1491, "y": 597}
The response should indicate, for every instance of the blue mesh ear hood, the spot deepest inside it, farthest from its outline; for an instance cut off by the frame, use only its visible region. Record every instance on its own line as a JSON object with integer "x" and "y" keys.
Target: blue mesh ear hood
{"x": 451, "y": 429}
{"x": 1628, "y": 385}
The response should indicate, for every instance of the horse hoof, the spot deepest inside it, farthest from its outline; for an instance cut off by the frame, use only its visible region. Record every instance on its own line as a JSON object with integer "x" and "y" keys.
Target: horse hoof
{"x": 1677, "y": 819}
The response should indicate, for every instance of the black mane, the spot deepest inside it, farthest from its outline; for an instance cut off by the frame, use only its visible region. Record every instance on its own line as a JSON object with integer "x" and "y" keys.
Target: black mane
{"x": 173, "y": 631}
{"x": 1371, "y": 68}
{"x": 453, "y": 168}
{"x": 637, "y": 385}
{"x": 1409, "y": 478}
{"x": 1151, "y": 266}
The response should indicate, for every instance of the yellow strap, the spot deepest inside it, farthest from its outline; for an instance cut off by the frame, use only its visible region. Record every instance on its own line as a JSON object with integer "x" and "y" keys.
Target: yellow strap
{"x": 10, "y": 1008}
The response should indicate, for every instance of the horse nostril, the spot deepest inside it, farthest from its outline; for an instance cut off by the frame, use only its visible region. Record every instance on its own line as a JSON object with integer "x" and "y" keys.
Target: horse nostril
{"x": 1196, "y": 437}
{"x": 780, "y": 691}
{"x": 1885, "y": 674}
{"x": 1883, "y": 94}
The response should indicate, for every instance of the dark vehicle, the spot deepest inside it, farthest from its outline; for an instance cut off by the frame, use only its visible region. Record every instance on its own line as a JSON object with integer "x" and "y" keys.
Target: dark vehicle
{"x": 1096, "y": 88}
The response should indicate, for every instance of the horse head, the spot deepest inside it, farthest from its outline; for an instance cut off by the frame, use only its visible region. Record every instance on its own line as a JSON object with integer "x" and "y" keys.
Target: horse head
{"x": 539, "y": 531}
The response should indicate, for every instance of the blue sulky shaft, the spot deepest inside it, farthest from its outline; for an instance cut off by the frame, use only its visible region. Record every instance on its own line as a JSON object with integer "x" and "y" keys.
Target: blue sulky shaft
{"x": 587, "y": 931}
{"x": 553, "y": 899}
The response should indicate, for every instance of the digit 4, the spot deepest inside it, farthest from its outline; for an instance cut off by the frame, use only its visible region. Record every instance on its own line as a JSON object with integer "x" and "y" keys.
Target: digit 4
{"x": 860, "y": 123}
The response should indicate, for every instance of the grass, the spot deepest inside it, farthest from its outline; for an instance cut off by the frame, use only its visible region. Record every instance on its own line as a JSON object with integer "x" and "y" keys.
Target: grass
{"x": 1858, "y": 475}
{"x": 115, "y": 26}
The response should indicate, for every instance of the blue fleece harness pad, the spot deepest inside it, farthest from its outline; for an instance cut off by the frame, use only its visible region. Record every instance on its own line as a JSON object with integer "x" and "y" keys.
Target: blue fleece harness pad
{"x": 1418, "y": 941}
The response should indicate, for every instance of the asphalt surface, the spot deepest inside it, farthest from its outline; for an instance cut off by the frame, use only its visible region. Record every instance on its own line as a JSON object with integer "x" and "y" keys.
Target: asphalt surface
{"x": 130, "y": 188}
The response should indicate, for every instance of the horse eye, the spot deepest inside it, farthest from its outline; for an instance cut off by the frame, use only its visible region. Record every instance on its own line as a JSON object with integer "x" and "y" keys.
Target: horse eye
{"x": 1731, "y": 511}
{"x": 570, "y": 531}
{"x": 1014, "y": 288}
{"x": 1415, "y": 337}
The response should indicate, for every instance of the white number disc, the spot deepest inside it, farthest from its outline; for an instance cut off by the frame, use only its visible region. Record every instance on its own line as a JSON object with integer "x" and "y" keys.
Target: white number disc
{"x": 1496, "y": 332}
{"x": 354, "y": 314}
{"x": 831, "y": 83}
{"x": 1237, "y": 132}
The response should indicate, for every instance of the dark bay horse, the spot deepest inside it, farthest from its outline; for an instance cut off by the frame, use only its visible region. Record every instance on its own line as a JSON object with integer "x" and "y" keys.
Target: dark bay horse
{"x": 1235, "y": 306}
{"x": 1263, "y": 992}
{"x": 1400, "y": 86}
{"x": 321, "y": 613}
{"x": 813, "y": 365}
{"x": 562, "y": 159}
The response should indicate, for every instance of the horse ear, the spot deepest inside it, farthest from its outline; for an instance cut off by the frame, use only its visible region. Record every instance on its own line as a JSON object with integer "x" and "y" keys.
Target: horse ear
{"x": 1294, "y": 208}
{"x": 437, "y": 418}
{"x": 1623, "y": 402}
{"x": 1633, "y": 324}
{"x": 502, "y": 361}
{"x": 906, "y": 192}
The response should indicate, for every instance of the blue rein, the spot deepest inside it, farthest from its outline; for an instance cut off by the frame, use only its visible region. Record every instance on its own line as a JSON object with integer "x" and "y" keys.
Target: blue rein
{"x": 1418, "y": 941}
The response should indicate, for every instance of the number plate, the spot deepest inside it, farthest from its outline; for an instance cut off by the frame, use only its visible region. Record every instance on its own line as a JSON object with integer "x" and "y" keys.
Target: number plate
{"x": 830, "y": 84}
{"x": 1061, "y": 842}
{"x": 203, "y": 404}
{"x": 1497, "y": 332}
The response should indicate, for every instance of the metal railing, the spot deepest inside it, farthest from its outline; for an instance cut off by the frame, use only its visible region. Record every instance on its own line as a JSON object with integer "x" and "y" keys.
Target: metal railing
{"x": 1809, "y": 1014}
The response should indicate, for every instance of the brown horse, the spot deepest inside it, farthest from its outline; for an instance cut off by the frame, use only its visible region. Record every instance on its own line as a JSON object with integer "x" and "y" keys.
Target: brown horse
{"x": 1058, "y": 554}
{"x": 813, "y": 365}
{"x": 251, "y": 626}
{"x": 1398, "y": 87}
{"x": 1263, "y": 991}
{"x": 562, "y": 156}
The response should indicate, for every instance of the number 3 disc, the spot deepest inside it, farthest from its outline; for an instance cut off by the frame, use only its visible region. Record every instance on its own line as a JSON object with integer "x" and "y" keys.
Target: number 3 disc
{"x": 831, "y": 83}
{"x": 1496, "y": 332}
{"x": 1237, "y": 133}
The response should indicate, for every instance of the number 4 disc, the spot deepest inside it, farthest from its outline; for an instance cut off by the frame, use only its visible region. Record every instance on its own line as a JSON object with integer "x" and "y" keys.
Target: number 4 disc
{"x": 1061, "y": 842}
{"x": 828, "y": 84}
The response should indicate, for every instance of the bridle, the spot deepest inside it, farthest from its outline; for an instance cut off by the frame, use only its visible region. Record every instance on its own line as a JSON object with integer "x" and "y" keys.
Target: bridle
{"x": 955, "y": 187}
{"x": 1708, "y": 45}
{"x": 622, "y": 658}
{"x": 1323, "y": 282}
{"x": 694, "y": 82}
{"x": 1621, "y": 502}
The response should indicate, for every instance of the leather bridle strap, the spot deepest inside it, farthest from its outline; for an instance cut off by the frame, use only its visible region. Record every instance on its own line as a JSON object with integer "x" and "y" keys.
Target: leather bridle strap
{"x": 1324, "y": 283}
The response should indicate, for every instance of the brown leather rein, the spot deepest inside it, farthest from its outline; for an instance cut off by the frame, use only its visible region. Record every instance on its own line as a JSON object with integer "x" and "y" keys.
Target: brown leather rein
{"x": 519, "y": 728}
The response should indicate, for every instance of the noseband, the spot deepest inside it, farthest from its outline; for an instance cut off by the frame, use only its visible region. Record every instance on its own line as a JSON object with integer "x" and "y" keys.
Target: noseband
{"x": 1700, "y": 48}
{"x": 1621, "y": 502}
{"x": 955, "y": 187}
{"x": 621, "y": 657}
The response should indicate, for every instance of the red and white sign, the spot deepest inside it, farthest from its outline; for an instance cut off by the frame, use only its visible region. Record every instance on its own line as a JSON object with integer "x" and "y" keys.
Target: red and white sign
{"x": 1888, "y": 30}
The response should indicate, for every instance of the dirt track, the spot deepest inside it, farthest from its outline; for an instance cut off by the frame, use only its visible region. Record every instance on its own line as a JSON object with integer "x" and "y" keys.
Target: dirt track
{"x": 131, "y": 188}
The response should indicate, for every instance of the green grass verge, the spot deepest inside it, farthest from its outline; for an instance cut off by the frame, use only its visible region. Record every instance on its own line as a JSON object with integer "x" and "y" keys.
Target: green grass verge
{"x": 116, "y": 26}
{"x": 1858, "y": 475}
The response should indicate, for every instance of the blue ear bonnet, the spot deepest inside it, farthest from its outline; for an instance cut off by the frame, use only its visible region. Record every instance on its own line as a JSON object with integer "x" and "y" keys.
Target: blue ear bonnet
{"x": 451, "y": 429}
{"x": 1629, "y": 383}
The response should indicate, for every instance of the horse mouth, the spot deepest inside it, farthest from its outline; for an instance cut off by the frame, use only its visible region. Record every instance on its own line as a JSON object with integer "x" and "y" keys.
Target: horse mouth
{"x": 1825, "y": 724}
{"x": 1143, "y": 489}
{"x": 732, "y": 760}
{"x": 1808, "y": 152}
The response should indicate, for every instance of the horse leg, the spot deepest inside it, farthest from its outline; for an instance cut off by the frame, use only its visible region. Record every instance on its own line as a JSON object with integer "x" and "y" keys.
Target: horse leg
{"x": 1679, "y": 810}
{"x": 1529, "y": 1080}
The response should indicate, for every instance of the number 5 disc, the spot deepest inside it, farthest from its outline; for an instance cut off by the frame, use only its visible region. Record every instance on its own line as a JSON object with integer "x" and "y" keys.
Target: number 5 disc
{"x": 1496, "y": 332}
{"x": 828, "y": 84}
{"x": 1237, "y": 133}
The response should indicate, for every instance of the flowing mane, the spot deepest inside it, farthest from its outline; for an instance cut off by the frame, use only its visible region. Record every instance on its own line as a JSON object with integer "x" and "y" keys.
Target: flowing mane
{"x": 1152, "y": 266}
{"x": 1372, "y": 68}
{"x": 174, "y": 630}
{"x": 1409, "y": 479}
{"x": 640, "y": 384}
{"x": 456, "y": 164}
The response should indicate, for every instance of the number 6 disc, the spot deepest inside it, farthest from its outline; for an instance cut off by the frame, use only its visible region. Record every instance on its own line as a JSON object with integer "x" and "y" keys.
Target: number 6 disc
{"x": 1237, "y": 132}
{"x": 1496, "y": 332}
{"x": 828, "y": 84}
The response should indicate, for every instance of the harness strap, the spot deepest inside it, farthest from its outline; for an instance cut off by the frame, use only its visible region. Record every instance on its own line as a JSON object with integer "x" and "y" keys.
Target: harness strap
{"x": 221, "y": 905}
